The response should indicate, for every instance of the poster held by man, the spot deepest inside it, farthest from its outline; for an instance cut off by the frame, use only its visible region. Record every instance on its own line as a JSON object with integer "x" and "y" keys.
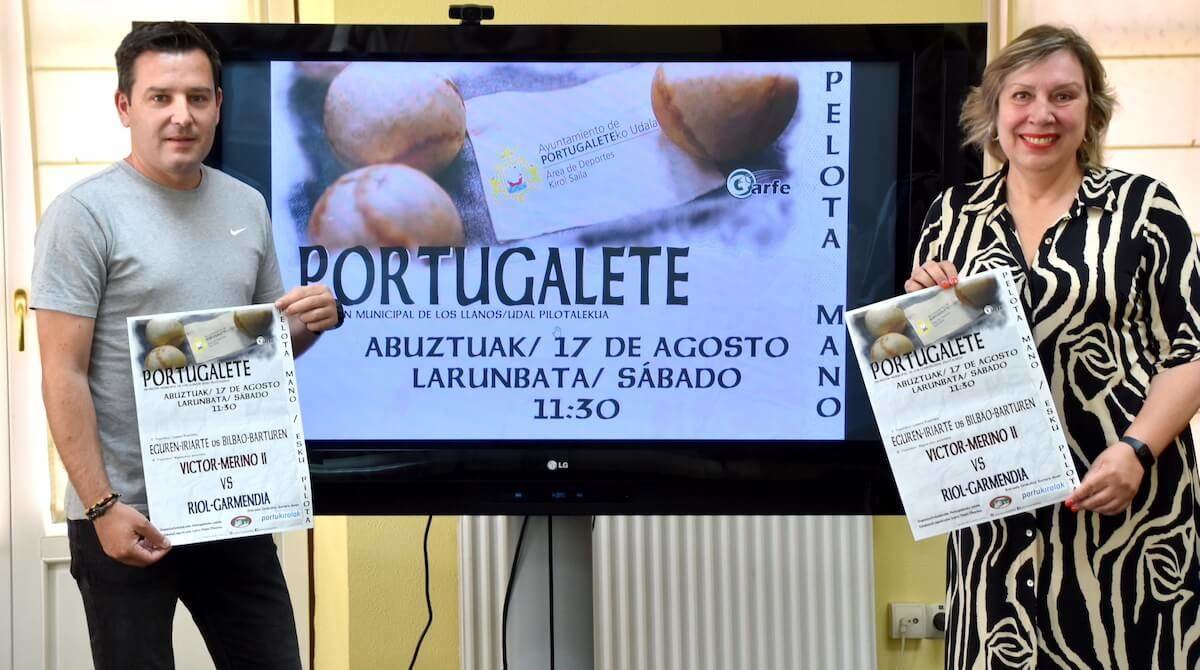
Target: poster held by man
{"x": 219, "y": 423}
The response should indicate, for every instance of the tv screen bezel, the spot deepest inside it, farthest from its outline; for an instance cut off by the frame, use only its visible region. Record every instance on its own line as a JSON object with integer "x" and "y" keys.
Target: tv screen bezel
{"x": 937, "y": 63}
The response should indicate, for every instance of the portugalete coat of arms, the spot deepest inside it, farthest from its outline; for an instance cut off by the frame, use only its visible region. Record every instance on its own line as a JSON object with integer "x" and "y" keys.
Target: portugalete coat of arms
{"x": 514, "y": 176}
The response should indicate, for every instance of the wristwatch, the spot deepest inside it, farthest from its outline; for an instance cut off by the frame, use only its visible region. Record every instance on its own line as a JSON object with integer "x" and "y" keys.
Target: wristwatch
{"x": 341, "y": 313}
{"x": 1143, "y": 453}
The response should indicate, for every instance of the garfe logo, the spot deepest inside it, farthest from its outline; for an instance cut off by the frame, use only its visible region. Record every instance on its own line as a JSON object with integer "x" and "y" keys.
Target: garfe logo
{"x": 1000, "y": 502}
{"x": 240, "y": 521}
{"x": 742, "y": 183}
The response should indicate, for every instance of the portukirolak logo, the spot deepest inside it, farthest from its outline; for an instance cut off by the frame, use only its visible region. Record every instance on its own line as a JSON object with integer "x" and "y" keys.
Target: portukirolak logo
{"x": 743, "y": 183}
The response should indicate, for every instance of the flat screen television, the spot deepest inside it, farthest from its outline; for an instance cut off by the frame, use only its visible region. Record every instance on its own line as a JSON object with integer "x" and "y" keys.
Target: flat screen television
{"x": 594, "y": 269}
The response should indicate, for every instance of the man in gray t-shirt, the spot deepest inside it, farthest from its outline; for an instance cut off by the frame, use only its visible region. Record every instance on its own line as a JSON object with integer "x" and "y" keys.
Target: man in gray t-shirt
{"x": 99, "y": 258}
{"x": 157, "y": 232}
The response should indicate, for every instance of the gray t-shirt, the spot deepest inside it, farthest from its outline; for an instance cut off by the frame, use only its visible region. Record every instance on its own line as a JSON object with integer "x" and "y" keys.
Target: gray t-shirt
{"x": 117, "y": 245}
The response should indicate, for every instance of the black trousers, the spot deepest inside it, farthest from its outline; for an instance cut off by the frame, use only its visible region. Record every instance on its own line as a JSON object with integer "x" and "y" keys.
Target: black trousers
{"x": 234, "y": 590}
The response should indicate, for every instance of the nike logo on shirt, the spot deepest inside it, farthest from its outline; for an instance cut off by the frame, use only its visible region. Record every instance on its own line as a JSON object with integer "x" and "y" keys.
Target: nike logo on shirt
{"x": 237, "y": 232}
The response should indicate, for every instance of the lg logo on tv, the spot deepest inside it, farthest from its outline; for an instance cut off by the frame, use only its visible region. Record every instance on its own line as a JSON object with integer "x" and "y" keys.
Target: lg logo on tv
{"x": 553, "y": 465}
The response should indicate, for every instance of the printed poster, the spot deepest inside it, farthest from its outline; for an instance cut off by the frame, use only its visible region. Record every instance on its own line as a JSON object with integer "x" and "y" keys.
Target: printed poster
{"x": 219, "y": 421}
{"x": 962, "y": 404}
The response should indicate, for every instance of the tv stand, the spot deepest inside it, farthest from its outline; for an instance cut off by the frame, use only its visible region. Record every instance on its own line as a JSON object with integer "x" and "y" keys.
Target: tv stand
{"x": 531, "y": 642}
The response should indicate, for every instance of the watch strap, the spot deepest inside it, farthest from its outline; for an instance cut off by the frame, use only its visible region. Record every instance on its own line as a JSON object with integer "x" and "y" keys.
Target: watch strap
{"x": 341, "y": 313}
{"x": 1141, "y": 450}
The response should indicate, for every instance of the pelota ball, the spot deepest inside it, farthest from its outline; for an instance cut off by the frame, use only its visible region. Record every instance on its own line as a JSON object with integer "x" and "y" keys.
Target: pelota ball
{"x": 322, "y": 71}
{"x": 723, "y": 112}
{"x": 389, "y": 113}
{"x": 886, "y": 319}
{"x": 164, "y": 331}
{"x": 976, "y": 291}
{"x": 890, "y": 345}
{"x": 385, "y": 205}
{"x": 253, "y": 322}
{"x": 164, "y": 358}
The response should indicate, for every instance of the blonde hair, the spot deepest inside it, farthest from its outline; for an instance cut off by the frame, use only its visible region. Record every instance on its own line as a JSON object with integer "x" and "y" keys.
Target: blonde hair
{"x": 978, "y": 119}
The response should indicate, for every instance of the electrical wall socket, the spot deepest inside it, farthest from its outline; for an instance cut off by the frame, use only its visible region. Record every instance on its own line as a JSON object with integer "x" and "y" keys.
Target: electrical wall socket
{"x": 935, "y": 617}
{"x": 912, "y": 615}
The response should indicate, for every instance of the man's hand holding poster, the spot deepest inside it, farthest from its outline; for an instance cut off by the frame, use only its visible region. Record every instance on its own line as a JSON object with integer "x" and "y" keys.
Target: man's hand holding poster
{"x": 219, "y": 422}
{"x": 961, "y": 400}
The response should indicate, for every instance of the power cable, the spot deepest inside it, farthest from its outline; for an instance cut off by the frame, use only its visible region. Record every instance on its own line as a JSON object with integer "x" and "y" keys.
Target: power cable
{"x": 512, "y": 573}
{"x": 428, "y": 601}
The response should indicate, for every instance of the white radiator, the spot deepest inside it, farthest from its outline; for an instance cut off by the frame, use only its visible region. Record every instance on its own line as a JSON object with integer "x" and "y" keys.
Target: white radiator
{"x": 699, "y": 593}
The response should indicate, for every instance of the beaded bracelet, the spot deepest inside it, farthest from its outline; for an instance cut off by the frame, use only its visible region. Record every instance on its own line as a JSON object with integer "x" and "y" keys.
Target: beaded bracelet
{"x": 98, "y": 510}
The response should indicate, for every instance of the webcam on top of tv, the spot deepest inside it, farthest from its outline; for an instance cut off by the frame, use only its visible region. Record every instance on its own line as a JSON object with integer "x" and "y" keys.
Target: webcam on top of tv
{"x": 471, "y": 15}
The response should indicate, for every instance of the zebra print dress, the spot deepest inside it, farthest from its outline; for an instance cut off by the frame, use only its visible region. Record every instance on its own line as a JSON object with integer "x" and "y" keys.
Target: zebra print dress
{"x": 1113, "y": 297}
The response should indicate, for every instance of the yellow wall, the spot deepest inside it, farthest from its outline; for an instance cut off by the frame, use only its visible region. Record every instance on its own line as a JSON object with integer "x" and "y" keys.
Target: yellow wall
{"x": 389, "y": 621}
{"x": 382, "y": 556}
{"x": 907, "y": 572}
{"x": 331, "y": 597}
{"x": 669, "y": 11}
{"x": 370, "y": 592}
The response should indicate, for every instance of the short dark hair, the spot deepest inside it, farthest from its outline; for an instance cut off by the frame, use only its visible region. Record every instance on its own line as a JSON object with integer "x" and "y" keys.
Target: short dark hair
{"x": 166, "y": 37}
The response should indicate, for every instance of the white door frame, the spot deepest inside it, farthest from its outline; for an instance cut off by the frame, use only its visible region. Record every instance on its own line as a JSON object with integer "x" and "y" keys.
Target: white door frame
{"x": 5, "y": 518}
{"x": 23, "y": 438}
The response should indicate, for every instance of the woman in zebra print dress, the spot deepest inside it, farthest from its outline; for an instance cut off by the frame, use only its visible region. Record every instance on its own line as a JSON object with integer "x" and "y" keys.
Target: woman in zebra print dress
{"x": 1110, "y": 277}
